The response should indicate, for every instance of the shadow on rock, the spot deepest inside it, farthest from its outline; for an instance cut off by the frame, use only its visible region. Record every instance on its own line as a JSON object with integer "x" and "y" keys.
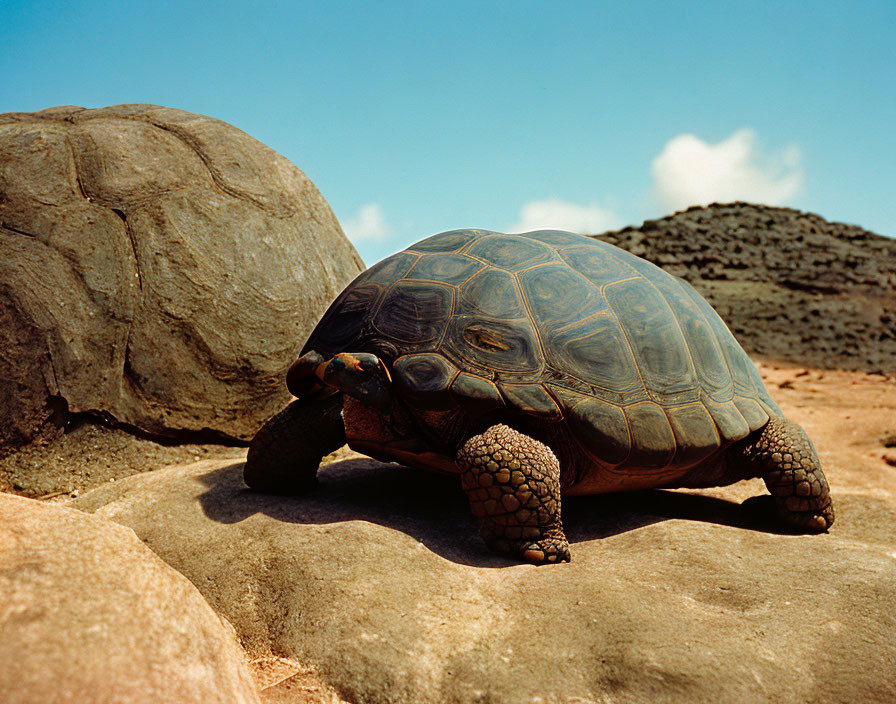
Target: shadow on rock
{"x": 433, "y": 509}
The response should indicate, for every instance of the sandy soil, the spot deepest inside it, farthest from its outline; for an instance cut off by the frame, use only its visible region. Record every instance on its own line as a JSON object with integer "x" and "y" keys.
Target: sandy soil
{"x": 90, "y": 455}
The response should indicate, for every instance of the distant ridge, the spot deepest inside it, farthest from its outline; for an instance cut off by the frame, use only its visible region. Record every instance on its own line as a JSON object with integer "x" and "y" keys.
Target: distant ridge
{"x": 791, "y": 285}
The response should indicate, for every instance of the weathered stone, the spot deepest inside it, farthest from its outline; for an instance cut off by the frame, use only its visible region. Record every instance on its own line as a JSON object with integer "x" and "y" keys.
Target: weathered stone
{"x": 157, "y": 267}
{"x": 379, "y": 580}
{"x": 88, "y": 613}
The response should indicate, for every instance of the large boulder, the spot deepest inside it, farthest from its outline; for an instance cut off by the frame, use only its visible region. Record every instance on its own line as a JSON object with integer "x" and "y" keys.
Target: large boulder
{"x": 157, "y": 267}
{"x": 88, "y": 613}
{"x": 380, "y": 581}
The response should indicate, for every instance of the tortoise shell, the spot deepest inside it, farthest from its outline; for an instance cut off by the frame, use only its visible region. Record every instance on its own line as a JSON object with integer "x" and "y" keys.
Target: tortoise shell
{"x": 561, "y": 327}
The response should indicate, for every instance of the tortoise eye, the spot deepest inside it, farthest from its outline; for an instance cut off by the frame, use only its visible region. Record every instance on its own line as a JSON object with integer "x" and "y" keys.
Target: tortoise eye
{"x": 485, "y": 339}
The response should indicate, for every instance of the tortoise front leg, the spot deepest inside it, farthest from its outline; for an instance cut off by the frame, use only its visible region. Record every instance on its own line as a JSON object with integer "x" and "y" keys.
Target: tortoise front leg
{"x": 513, "y": 484}
{"x": 784, "y": 456}
{"x": 285, "y": 453}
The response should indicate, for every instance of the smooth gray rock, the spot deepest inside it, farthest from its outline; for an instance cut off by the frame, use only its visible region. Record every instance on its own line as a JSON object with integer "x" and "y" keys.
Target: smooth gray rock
{"x": 379, "y": 579}
{"x": 89, "y": 614}
{"x": 157, "y": 267}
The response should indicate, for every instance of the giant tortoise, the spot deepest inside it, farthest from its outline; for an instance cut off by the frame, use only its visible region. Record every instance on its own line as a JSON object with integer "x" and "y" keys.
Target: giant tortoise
{"x": 535, "y": 365}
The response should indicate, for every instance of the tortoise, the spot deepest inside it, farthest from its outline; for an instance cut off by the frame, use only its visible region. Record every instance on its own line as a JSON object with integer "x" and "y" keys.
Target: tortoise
{"x": 535, "y": 365}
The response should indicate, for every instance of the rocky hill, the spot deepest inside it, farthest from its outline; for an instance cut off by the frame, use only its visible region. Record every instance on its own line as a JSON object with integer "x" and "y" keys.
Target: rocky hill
{"x": 791, "y": 285}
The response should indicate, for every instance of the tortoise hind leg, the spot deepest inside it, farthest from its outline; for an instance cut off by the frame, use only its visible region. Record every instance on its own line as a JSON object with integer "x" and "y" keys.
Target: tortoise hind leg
{"x": 286, "y": 451}
{"x": 784, "y": 456}
{"x": 513, "y": 485}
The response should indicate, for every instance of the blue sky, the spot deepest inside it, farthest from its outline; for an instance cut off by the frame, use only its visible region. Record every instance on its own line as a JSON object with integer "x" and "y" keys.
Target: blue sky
{"x": 413, "y": 118}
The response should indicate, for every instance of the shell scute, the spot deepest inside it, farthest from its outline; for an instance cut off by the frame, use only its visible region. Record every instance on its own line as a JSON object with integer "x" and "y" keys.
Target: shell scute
{"x": 415, "y": 312}
{"x": 752, "y": 412}
{"x": 511, "y": 252}
{"x": 655, "y": 339}
{"x": 425, "y": 378}
{"x": 653, "y": 442}
{"x": 491, "y": 294}
{"x": 388, "y": 271}
{"x": 597, "y": 264}
{"x": 729, "y": 420}
{"x": 596, "y": 350}
{"x": 531, "y": 399}
{"x": 557, "y": 296}
{"x": 599, "y": 426}
{"x": 696, "y": 436}
{"x": 344, "y": 322}
{"x": 478, "y": 343}
{"x": 451, "y": 269}
{"x": 450, "y": 241}
{"x": 477, "y": 393}
{"x": 555, "y": 238}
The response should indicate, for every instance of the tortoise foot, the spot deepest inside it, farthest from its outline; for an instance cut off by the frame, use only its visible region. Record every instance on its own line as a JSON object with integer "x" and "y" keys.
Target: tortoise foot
{"x": 815, "y": 519}
{"x": 784, "y": 456}
{"x": 513, "y": 485}
{"x": 550, "y": 550}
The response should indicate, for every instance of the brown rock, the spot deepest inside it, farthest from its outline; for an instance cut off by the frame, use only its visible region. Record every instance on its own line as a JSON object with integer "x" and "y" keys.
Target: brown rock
{"x": 156, "y": 267}
{"x": 284, "y": 681}
{"x": 90, "y": 614}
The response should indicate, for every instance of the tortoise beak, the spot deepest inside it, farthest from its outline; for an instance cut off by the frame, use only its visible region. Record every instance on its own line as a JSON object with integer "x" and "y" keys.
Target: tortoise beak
{"x": 361, "y": 375}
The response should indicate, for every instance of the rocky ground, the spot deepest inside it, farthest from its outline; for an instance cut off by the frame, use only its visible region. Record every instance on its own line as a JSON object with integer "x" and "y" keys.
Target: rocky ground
{"x": 790, "y": 285}
{"x": 377, "y": 589}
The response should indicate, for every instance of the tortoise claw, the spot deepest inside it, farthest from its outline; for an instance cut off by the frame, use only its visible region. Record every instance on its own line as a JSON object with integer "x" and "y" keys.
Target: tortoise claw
{"x": 552, "y": 550}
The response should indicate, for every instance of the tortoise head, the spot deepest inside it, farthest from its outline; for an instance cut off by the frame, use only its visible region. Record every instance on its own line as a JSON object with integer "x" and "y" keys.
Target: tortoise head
{"x": 361, "y": 375}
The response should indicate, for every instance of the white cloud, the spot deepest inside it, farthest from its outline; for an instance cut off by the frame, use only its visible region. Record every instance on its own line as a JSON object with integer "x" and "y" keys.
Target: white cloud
{"x": 555, "y": 214}
{"x": 368, "y": 225}
{"x": 688, "y": 171}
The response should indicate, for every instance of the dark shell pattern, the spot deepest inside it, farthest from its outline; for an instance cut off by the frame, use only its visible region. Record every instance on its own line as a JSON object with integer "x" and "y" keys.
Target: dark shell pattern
{"x": 561, "y": 327}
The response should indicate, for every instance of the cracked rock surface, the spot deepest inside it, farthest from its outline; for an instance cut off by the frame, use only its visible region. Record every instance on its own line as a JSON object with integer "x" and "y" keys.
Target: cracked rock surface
{"x": 157, "y": 267}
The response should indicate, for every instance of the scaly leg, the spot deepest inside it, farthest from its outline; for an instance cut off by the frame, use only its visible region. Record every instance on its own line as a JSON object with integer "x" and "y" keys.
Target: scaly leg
{"x": 285, "y": 453}
{"x": 784, "y": 456}
{"x": 513, "y": 484}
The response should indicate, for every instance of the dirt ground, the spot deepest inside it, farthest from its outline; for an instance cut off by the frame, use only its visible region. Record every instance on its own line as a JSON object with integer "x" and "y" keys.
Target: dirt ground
{"x": 90, "y": 455}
